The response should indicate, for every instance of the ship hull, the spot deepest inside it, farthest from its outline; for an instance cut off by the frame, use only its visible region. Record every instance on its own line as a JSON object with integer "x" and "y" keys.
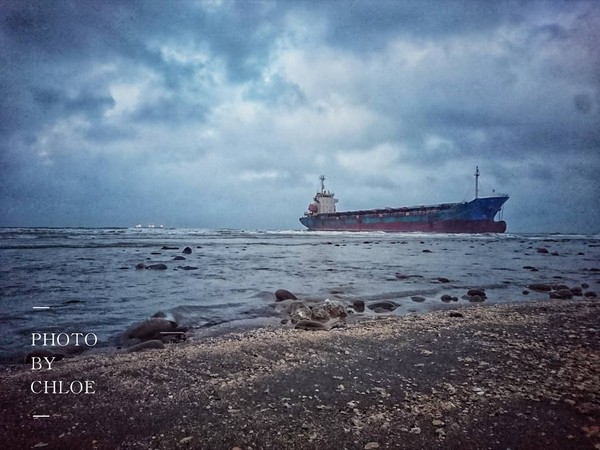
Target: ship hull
{"x": 476, "y": 216}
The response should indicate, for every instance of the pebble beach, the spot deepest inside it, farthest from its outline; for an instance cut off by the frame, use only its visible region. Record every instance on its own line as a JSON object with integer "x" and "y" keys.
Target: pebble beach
{"x": 518, "y": 376}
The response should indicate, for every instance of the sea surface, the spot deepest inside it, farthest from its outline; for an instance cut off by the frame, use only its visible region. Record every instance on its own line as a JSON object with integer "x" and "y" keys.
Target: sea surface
{"x": 87, "y": 278}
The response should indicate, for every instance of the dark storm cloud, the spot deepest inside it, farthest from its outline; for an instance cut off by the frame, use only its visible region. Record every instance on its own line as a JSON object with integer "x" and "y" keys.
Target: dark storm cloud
{"x": 366, "y": 26}
{"x": 213, "y": 112}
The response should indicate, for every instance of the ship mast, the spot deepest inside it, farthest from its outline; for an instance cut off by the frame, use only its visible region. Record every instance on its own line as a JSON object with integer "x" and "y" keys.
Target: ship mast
{"x": 476, "y": 181}
{"x": 322, "y": 178}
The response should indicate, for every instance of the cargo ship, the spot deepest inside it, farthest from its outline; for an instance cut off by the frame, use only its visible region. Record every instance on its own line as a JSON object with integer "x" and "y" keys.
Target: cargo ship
{"x": 476, "y": 216}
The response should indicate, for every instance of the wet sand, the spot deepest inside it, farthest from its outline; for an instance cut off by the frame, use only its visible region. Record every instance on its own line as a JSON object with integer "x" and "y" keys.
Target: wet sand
{"x": 520, "y": 376}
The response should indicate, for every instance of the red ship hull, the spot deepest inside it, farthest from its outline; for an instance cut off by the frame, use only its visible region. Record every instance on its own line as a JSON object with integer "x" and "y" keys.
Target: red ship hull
{"x": 448, "y": 226}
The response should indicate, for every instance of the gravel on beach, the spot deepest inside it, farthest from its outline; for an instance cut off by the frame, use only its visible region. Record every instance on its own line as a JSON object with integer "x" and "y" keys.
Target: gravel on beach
{"x": 518, "y": 376}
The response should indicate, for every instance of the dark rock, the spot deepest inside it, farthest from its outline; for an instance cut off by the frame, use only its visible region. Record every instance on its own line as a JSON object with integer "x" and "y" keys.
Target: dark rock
{"x": 165, "y": 247}
{"x": 282, "y": 294}
{"x": 159, "y": 266}
{"x": 538, "y": 287}
{"x": 311, "y": 325}
{"x": 590, "y": 294}
{"x": 179, "y": 258}
{"x": 187, "y": 251}
{"x": 446, "y": 298}
{"x": 455, "y": 314}
{"x": 577, "y": 291}
{"x": 146, "y": 345}
{"x": 542, "y": 250}
{"x": 156, "y": 253}
{"x": 381, "y": 307}
{"x": 139, "y": 266}
{"x": 358, "y": 305}
{"x": 585, "y": 285}
{"x": 563, "y": 294}
{"x": 418, "y": 298}
{"x": 188, "y": 267}
{"x": 476, "y": 298}
{"x": 150, "y": 328}
{"x": 525, "y": 292}
{"x": 479, "y": 292}
{"x": 443, "y": 280}
{"x": 426, "y": 251}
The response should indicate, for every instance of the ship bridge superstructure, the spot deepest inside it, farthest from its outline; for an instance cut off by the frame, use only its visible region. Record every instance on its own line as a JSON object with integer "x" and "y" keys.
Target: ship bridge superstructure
{"x": 324, "y": 202}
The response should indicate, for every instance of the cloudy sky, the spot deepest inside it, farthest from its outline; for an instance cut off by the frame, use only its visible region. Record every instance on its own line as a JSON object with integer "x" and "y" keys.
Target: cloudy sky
{"x": 222, "y": 114}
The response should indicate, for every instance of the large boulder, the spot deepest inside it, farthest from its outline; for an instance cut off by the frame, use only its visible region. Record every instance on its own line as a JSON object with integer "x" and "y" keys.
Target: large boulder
{"x": 327, "y": 310}
{"x": 299, "y": 311}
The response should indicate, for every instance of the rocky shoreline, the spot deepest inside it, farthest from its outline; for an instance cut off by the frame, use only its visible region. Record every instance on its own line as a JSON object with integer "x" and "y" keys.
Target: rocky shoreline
{"x": 513, "y": 376}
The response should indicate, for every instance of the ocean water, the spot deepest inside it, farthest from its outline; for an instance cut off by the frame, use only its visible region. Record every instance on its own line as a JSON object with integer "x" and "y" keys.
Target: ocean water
{"x": 88, "y": 278}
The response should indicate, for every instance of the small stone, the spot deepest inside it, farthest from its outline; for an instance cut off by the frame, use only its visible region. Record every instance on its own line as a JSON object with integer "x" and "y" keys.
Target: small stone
{"x": 474, "y": 292}
{"x": 358, "y": 305}
{"x": 438, "y": 423}
{"x": 185, "y": 440}
{"x": 383, "y": 306}
{"x": 415, "y": 430}
{"x": 371, "y": 445}
{"x": 187, "y": 251}
{"x": 538, "y": 287}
